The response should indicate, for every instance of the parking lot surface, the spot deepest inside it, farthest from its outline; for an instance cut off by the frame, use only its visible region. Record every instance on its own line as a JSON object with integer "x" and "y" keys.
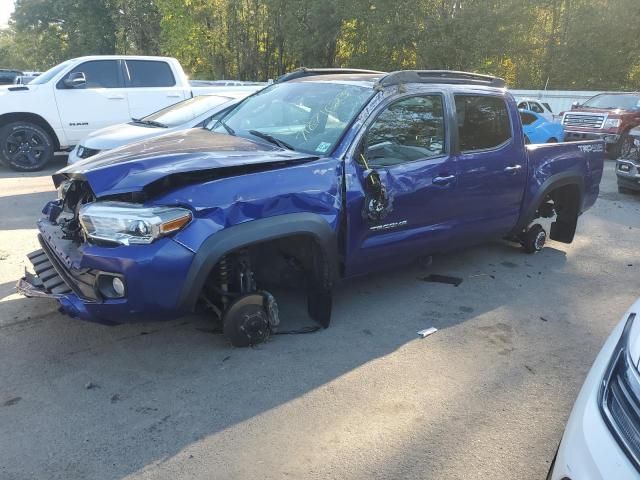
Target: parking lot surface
{"x": 487, "y": 396}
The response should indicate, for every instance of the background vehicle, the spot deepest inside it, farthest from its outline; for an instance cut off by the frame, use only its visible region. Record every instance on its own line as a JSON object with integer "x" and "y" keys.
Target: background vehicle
{"x": 323, "y": 175}
{"x": 8, "y": 77}
{"x": 602, "y": 437}
{"x": 225, "y": 83}
{"x": 536, "y": 106}
{"x": 190, "y": 113}
{"x": 71, "y": 100}
{"x": 537, "y": 129}
{"x": 24, "y": 79}
{"x": 608, "y": 116}
{"x": 628, "y": 165}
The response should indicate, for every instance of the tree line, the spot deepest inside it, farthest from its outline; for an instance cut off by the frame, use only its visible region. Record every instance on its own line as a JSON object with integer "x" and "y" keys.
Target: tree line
{"x": 557, "y": 44}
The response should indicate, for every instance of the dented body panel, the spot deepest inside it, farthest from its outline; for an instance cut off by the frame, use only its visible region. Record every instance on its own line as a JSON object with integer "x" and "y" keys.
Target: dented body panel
{"x": 238, "y": 189}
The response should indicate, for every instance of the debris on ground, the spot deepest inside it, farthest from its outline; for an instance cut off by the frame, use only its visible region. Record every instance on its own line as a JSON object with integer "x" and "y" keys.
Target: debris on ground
{"x": 427, "y": 331}
{"x": 90, "y": 386}
{"x": 455, "y": 281}
{"x": 11, "y": 401}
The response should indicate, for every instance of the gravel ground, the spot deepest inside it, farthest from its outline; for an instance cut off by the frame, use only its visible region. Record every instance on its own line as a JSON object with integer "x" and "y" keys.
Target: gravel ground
{"x": 486, "y": 397}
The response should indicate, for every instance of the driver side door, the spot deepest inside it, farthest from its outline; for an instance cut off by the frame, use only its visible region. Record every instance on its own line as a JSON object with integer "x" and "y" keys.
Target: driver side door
{"x": 100, "y": 102}
{"x": 400, "y": 185}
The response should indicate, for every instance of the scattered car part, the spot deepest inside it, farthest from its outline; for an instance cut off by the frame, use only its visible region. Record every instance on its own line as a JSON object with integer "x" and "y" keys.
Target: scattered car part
{"x": 427, "y": 331}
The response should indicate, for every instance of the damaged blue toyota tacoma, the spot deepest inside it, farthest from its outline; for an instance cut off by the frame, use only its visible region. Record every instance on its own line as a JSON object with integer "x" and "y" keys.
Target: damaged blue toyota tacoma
{"x": 324, "y": 175}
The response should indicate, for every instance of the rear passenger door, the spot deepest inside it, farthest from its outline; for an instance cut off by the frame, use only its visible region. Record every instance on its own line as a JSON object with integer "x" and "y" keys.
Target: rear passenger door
{"x": 152, "y": 86}
{"x": 490, "y": 164}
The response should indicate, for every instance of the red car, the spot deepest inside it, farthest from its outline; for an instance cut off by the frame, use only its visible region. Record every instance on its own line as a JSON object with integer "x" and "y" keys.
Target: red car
{"x": 608, "y": 117}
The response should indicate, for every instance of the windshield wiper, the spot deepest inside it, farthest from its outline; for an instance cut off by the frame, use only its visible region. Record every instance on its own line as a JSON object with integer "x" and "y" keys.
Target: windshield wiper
{"x": 152, "y": 123}
{"x": 229, "y": 130}
{"x": 272, "y": 139}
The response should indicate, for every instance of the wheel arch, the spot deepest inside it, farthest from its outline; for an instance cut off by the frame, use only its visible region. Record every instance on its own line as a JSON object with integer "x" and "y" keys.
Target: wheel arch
{"x": 573, "y": 184}
{"x": 32, "y": 118}
{"x": 252, "y": 233}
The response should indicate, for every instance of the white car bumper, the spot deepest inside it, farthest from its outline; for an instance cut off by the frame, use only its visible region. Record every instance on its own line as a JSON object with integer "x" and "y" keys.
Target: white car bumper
{"x": 588, "y": 450}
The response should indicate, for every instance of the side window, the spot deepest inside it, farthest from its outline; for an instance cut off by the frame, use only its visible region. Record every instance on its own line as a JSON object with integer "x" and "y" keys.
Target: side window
{"x": 407, "y": 130}
{"x": 483, "y": 122}
{"x": 523, "y": 106}
{"x": 536, "y": 108}
{"x": 150, "y": 73}
{"x": 99, "y": 74}
{"x": 527, "y": 118}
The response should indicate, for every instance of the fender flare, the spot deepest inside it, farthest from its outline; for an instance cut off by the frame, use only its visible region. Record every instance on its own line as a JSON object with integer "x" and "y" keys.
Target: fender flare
{"x": 252, "y": 232}
{"x": 555, "y": 181}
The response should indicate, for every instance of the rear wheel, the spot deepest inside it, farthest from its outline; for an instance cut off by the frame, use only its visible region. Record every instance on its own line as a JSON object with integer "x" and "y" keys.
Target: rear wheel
{"x": 552, "y": 140}
{"x": 534, "y": 239}
{"x": 25, "y": 147}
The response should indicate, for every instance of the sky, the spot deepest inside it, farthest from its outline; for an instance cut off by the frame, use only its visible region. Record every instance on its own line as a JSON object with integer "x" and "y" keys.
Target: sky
{"x": 6, "y": 7}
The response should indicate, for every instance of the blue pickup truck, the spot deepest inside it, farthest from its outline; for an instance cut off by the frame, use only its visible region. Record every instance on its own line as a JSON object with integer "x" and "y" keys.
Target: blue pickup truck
{"x": 325, "y": 174}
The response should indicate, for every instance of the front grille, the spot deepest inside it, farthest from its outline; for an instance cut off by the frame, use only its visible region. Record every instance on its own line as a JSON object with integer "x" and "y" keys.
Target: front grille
{"x": 60, "y": 256}
{"x": 47, "y": 275}
{"x": 581, "y": 120}
{"x": 84, "y": 152}
{"x": 619, "y": 398}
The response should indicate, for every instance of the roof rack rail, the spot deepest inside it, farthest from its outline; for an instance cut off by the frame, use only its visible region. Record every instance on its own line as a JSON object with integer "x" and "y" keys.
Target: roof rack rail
{"x": 308, "y": 72}
{"x": 440, "y": 76}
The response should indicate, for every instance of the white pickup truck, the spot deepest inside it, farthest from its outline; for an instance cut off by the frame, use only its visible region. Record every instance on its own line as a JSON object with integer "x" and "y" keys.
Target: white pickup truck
{"x": 81, "y": 95}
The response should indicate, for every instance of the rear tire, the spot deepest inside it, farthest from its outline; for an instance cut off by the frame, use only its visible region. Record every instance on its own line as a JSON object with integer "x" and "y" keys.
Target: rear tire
{"x": 25, "y": 147}
{"x": 552, "y": 140}
{"x": 534, "y": 239}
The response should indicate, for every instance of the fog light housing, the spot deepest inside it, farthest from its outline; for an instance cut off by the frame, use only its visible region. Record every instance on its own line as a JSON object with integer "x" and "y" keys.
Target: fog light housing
{"x": 111, "y": 286}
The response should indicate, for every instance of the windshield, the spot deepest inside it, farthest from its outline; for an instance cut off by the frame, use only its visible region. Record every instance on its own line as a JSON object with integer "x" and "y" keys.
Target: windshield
{"x": 624, "y": 102}
{"x": 49, "y": 74}
{"x": 308, "y": 116}
{"x": 182, "y": 112}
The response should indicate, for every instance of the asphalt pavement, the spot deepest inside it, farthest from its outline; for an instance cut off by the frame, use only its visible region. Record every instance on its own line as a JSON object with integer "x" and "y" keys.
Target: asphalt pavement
{"x": 486, "y": 397}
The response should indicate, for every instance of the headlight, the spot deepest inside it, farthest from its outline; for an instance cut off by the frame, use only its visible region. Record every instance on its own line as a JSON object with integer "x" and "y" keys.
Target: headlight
{"x": 612, "y": 123}
{"x": 619, "y": 397}
{"x": 129, "y": 223}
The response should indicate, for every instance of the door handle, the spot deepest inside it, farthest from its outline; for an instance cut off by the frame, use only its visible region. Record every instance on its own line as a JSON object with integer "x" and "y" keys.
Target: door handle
{"x": 116, "y": 97}
{"x": 443, "y": 180}
{"x": 513, "y": 168}
{"x": 174, "y": 95}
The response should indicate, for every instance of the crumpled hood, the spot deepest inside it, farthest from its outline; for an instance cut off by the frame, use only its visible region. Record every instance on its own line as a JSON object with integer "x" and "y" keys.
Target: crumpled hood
{"x": 132, "y": 167}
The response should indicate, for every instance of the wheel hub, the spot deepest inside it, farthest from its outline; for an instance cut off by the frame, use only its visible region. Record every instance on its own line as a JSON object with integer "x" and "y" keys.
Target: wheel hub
{"x": 25, "y": 147}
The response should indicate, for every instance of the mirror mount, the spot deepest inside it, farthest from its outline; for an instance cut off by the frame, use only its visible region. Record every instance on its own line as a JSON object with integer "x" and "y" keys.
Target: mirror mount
{"x": 75, "y": 80}
{"x": 576, "y": 105}
{"x": 376, "y": 200}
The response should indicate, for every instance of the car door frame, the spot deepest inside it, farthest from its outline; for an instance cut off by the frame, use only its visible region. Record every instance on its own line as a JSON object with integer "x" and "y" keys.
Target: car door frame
{"x": 73, "y": 134}
{"x": 366, "y": 249}
{"x": 486, "y": 226}
{"x": 174, "y": 93}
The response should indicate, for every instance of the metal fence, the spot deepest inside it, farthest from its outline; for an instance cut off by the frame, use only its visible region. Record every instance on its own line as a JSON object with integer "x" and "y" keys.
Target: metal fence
{"x": 559, "y": 100}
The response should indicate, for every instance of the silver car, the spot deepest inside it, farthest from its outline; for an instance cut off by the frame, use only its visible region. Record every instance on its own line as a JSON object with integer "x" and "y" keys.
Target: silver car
{"x": 190, "y": 113}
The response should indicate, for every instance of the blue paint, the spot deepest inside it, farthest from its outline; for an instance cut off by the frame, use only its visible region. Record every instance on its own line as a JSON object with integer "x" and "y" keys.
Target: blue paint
{"x": 238, "y": 180}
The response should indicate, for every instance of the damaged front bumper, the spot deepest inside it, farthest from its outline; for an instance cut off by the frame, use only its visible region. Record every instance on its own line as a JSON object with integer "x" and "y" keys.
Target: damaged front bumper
{"x": 72, "y": 273}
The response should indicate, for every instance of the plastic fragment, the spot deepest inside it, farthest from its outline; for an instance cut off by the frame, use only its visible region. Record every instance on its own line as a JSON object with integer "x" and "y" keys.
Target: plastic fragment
{"x": 427, "y": 331}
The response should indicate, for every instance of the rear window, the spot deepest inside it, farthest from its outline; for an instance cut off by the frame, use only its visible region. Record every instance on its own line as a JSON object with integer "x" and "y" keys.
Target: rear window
{"x": 483, "y": 122}
{"x": 150, "y": 73}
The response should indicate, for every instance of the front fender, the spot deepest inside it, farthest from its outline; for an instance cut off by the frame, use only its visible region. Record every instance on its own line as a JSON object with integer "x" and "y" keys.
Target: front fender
{"x": 252, "y": 232}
